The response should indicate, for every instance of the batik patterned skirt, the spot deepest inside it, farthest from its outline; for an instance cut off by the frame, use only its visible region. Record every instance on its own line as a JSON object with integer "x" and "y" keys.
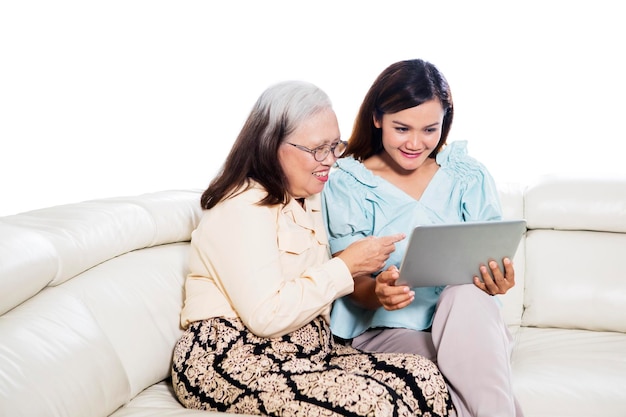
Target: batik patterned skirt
{"x": 220, "y": 365}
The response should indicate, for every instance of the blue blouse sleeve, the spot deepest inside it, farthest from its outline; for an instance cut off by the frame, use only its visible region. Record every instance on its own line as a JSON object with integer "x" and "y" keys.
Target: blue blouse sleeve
{"x": 347, "y": 215}
{"x": 481, "y": 199}
{"x": 478, "y": 194}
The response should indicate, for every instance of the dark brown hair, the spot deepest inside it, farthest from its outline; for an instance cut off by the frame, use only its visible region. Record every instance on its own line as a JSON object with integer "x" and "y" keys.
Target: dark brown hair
{"x": 400, "y": 86}
{"x": 254, "y": 156}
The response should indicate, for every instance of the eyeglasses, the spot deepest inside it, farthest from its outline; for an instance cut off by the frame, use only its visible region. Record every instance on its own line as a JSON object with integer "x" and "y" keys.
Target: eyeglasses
{"x": 321, "y": 152}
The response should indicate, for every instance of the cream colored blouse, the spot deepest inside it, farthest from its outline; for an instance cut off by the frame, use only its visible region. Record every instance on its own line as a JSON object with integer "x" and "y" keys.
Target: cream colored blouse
{"x": 269, "y": 266}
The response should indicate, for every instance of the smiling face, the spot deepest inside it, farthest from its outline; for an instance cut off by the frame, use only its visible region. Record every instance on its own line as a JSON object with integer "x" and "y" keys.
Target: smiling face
{"x": 410, "y": 135}
{"x": 305, "y": 175}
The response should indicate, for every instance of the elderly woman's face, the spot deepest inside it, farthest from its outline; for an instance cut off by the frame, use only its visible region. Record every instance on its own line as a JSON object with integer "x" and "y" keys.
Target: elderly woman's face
{"x": 305, "y": 175}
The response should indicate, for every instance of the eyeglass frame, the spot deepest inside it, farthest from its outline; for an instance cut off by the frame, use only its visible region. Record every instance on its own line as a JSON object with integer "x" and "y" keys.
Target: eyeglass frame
{"x": 330, "y": 149}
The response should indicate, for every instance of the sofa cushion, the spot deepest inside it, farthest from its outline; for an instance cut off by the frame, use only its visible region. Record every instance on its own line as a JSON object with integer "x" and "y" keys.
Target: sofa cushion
{"x": 572, "y": 203}
{"x": 571, "y": 280}
{"x": 160, "y": 400}
{"x": 51, "y": 245}
{"x": 569, "y": 373}
{"x": 28, "y": 263}
{"x": 57, "y": 361}
{"x": 146, "y": 288}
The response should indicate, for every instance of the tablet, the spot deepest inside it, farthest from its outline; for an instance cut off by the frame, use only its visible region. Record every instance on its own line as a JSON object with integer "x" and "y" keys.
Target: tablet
{"x": 447, "y": 254}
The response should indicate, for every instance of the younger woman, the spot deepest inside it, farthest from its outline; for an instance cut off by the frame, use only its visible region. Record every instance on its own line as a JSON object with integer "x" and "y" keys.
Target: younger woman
{"x": 399, "y": 173}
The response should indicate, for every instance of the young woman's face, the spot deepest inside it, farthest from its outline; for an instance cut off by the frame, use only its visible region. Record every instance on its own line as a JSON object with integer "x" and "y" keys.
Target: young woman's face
{"x": 305, "y": 175}
{"x": 410, "y": 135}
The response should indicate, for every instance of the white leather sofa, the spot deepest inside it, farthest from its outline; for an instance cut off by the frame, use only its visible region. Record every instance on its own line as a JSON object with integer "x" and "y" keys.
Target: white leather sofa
{"x": 90, "y": 295}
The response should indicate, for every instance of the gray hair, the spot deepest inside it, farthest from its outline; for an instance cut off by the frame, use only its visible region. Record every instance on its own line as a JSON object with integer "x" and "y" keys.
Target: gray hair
{"x": 289, "y": 103}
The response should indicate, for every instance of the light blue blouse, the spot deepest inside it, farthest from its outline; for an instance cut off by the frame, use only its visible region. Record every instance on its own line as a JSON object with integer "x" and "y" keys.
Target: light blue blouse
{"x": 356, "y": 203}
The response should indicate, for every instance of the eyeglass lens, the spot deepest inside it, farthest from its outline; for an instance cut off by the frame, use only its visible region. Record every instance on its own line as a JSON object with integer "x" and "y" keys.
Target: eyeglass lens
{"x": 322, "y": 152}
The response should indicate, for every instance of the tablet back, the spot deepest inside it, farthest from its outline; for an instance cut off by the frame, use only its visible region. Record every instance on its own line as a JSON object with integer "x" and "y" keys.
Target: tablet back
{"x": 446, "y": 254}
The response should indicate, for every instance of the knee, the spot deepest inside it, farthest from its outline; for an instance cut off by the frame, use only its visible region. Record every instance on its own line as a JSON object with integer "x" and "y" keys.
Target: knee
{"x": 467, "y": 295}
{"x": 464, "y": 290}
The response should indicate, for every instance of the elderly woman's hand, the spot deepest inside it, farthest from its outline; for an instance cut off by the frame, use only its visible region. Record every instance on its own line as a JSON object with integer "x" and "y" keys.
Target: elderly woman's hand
{"x": 369, "y": 255}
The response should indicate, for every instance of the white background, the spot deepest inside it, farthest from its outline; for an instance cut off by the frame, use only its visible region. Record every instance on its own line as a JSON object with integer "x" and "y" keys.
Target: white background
{"x": 110, "y": 98}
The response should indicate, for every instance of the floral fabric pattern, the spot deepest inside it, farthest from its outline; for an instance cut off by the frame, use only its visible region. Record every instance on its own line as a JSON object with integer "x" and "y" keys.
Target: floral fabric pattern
{"x": 220, "y": 365}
